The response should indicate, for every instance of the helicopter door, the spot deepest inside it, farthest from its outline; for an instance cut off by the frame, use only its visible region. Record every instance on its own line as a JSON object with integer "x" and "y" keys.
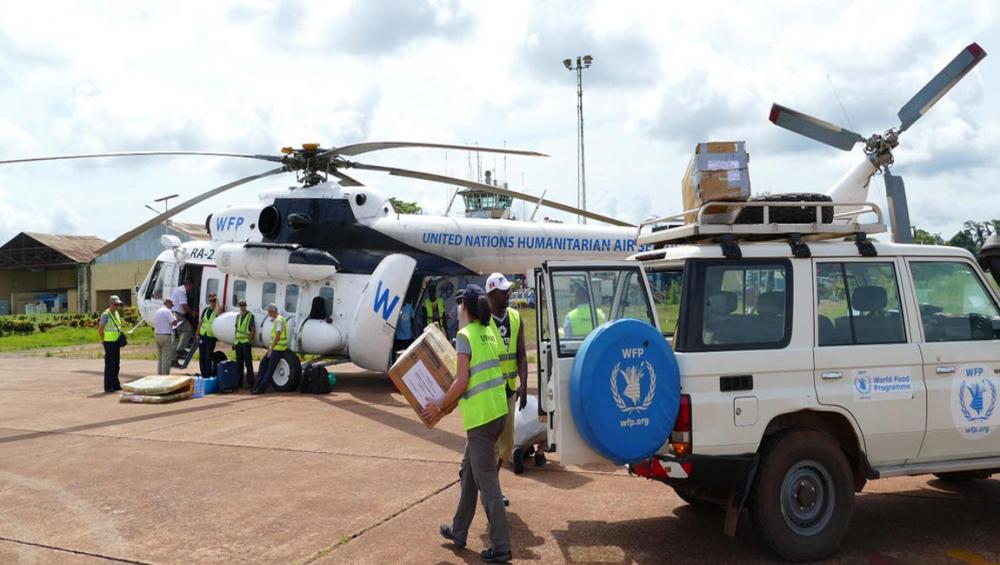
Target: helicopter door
{"x": 573, "y": 299}
{"x": 374, "y": 328}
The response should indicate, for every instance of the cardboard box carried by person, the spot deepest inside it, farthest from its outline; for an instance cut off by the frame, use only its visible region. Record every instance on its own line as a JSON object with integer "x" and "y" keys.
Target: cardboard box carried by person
{"x": 718, "y": 171}
{"x": 425, "y": 371}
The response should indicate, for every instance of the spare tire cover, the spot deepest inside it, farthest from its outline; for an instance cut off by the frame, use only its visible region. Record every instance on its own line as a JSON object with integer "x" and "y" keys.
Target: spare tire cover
{"x": 624, "y": 390}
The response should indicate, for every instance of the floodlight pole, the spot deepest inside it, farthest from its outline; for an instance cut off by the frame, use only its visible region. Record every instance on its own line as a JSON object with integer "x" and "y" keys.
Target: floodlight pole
{"x": 581, "y": 166}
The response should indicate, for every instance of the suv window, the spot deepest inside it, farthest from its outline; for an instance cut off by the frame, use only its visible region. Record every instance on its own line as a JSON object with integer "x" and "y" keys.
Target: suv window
{"x": 666, "y": 287}
{"x": 586, "y": 299}
{"x": 858, "y": 303}
{"x": 954, "y": 305}
{"x": 739, "y": 305}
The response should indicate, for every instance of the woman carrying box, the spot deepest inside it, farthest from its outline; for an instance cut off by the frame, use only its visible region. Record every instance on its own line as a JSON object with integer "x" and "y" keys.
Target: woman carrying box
{"x": 479, "y": 391}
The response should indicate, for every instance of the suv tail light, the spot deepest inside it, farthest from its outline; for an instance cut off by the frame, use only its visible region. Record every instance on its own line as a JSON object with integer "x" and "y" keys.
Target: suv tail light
{"x": 680, "y": 438}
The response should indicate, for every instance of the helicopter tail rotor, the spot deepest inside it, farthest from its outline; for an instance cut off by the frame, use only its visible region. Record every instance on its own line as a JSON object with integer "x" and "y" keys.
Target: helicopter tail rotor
{"x": 938, "y": 86}
{"x": 878, "y": 147}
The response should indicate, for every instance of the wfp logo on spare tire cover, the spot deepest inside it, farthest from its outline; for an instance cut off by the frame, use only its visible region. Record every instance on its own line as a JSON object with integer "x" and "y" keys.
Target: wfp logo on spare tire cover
{"x": 624, "y": 390}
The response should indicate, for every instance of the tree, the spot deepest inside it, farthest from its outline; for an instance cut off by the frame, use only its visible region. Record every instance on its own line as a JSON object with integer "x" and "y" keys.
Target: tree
{"x": 404, "y": 207}
{"x": 922, "y": 237}
{"x": 964, "y": 239}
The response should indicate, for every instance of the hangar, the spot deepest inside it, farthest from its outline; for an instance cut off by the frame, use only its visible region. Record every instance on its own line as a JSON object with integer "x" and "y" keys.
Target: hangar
{"x": 42, "y": 272}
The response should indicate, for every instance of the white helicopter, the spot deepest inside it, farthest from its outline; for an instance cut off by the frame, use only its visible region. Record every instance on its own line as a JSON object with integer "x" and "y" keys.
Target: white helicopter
{"x": 339, "y": 261}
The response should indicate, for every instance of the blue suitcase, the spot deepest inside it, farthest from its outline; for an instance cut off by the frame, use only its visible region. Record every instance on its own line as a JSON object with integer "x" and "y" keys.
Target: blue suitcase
{"x": 228, "y": 379}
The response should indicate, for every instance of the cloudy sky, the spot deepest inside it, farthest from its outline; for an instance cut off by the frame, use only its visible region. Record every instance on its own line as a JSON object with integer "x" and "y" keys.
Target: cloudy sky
{"x": 81, "y": 77}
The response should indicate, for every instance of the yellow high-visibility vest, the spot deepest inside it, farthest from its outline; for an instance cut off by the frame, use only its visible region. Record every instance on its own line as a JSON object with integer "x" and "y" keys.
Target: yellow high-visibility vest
{"x": 484, "y": 399}
{"x": 508, "y": 353}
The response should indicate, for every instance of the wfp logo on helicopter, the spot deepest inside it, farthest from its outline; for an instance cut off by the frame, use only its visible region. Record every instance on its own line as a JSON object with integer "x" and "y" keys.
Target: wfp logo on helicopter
{"x": 630, "y": 399}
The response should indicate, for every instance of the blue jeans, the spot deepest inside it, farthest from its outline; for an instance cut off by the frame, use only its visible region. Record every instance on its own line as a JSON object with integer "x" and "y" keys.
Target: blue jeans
{"x": 267, "y": 366}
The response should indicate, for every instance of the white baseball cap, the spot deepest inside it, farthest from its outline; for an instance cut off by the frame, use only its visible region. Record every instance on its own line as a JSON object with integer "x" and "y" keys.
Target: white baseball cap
{"x": 497, "y": 281}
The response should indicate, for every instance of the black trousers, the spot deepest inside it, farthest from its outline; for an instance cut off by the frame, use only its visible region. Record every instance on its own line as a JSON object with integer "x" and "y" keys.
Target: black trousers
{"x": 244, "y": 363}
{"x": 112, "y": 366}
{"x": 206, "y": 347}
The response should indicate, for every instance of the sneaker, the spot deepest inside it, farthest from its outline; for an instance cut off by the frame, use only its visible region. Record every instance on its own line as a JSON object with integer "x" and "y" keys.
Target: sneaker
{"x": 449, "y": 535}
{"x": 492, "y": 556}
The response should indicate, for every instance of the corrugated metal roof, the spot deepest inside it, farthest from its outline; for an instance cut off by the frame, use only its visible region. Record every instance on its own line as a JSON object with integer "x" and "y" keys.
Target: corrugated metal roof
{"x": 80, "y": 248}
{"x": 193, "y": 231}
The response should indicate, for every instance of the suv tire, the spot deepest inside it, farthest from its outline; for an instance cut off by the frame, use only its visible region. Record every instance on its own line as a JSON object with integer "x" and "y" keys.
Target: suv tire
{"x": 804, "y": 495}
{"x": 792, "y": 215}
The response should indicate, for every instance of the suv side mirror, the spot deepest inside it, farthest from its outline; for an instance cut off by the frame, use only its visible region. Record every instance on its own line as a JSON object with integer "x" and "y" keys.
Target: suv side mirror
{"x": 989, "y": 256}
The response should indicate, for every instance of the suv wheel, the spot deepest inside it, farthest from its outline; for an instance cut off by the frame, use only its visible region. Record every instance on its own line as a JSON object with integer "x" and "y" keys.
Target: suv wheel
{"x": 804, "y": 495}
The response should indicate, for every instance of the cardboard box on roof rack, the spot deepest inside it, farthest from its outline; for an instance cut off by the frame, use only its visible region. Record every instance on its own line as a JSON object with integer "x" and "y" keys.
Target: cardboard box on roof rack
{"x": 718, "y": 171}
{"x": 425, "y": 370}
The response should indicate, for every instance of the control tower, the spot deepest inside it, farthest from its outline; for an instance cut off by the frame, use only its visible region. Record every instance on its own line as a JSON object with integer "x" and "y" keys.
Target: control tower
{"x": 482, "y": 204}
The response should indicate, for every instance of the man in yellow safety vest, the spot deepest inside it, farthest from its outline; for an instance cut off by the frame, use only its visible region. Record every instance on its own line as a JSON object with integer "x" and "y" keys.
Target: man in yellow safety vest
{"x": 110, "y": 330}
{"x": 206, "y": 338}
{"x": 277, "y": 348}
{"x": 578, "y": 322}
{"x": 246, "y": 329}
{"x": 433, "y": 312}
{"x": 506, "y": 325}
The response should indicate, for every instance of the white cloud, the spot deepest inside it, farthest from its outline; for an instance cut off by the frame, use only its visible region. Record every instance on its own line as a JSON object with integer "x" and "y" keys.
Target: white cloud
{"x": 258, "y": 75}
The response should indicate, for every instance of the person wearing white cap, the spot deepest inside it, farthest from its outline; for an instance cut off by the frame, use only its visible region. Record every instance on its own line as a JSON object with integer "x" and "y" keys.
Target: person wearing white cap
{"x": 164, "y": 325}
{"x": 506, "y": 324}
{"x": 279, "y": 343}
{"x": 113, "y": 338}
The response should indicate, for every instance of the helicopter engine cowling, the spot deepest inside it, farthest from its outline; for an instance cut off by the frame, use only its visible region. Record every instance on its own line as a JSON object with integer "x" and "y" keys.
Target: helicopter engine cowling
{"x": 319, "y": 337}
{"x": 235, "y": 223}
{"x": 280, "y": 261}
{"x": 224, "y": 327}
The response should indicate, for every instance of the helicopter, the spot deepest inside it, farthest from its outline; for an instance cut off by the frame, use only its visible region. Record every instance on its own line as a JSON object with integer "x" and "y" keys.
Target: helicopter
{"x": 336, "y": 257}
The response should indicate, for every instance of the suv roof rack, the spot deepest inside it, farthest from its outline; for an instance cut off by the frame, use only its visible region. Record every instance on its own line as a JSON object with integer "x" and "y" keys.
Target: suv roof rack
{"x": 662, "y": 231}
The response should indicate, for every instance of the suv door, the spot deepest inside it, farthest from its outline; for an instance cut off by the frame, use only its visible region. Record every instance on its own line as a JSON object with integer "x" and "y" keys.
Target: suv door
{"x": 960, "y": 326}
{"x": 577, "y": 298}
{"x": 864, "y": 361}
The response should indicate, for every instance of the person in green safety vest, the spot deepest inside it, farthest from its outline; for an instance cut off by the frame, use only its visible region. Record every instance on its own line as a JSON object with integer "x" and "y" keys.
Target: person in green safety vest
{"x": 578, "y": 322}
{"x": 206, "y": 338}
{"x": 246, "y": 330}
{"x": 506, "y": 323}
{"x": 110, "y": 330}
{"x": 479, "y": 391}
{"x": 433, "y": 311}
{"x": 277, "y": 347}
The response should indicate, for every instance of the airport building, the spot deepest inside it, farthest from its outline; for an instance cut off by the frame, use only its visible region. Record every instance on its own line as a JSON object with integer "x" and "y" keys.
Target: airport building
{"x": 63, "y": 273}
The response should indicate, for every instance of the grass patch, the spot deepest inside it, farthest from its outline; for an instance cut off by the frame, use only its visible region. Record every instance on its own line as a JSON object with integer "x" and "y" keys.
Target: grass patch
{"x": 66, "y": 337}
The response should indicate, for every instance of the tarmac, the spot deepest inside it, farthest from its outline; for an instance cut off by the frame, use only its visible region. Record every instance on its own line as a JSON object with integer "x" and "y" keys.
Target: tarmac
{"x": 355, "y": 477}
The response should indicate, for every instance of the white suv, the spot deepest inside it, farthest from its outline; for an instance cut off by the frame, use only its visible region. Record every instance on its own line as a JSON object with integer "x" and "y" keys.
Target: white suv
{"x": 809, "y": 363}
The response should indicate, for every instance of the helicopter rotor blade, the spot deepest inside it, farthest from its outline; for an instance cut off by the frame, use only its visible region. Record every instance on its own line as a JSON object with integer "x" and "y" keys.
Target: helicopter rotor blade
{"x": 814, "y": 128}
{"x": 938, "y": 86}
{"x": 138, "y": 230}
{"x": 494, "y": 189}
{"x": 272, "y": 158}
{"x": 359, "y": 148}
{"x": 899, "y": 212}
{"x": 345, "y": 180}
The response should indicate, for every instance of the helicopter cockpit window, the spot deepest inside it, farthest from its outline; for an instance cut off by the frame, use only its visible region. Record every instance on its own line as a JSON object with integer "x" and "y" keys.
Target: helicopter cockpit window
{"x": 152, "y": 282}
{"x": 291, "y": 298}
{"x": 164, "y": 280}
{"x": 326, "y": 293}
{"x": 268, "y": 294}
{"x": 239, "y": 291}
